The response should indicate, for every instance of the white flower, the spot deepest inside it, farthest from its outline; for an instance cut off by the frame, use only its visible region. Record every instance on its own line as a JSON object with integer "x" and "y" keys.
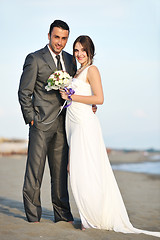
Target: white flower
{"x": 56, "y": 82}
{"x": 66, "y": 75}
{"x": 55, "y": 87}
{"x": 66, "y": 81}
{"x": 51, "y": 76}
{"x": 60, "y": 81}
{"x": 47, "y": 88}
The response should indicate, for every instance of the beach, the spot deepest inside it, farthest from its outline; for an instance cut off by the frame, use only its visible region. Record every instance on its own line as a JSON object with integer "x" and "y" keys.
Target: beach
{"x": 140, "y": 192}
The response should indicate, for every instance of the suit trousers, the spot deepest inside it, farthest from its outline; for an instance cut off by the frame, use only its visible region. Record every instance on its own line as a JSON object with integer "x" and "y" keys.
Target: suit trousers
{"x": 52, "y": 144}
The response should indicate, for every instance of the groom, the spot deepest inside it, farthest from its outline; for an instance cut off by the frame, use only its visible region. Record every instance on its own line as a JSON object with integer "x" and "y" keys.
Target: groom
{"x": 38, "y": 108}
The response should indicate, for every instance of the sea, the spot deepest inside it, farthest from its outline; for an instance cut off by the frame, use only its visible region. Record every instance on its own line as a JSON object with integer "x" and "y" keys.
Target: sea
{"x": 152, "y": 166}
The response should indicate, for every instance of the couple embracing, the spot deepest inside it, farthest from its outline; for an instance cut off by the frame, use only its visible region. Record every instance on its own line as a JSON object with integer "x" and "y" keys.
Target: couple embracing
{"x": 72, "y": 140}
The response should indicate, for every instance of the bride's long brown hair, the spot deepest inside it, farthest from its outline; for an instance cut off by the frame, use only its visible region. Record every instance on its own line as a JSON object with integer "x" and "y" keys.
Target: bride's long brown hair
{"x": 88, "y": 46}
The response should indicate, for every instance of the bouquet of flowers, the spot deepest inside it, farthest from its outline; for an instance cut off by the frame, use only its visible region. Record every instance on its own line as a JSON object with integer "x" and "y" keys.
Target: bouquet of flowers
{"x": 57, "y": 80}
{"x": 60, "y": 79}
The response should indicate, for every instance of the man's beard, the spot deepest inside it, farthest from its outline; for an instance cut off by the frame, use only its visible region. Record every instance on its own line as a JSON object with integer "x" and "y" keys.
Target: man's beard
{"x": 53, "y": 49}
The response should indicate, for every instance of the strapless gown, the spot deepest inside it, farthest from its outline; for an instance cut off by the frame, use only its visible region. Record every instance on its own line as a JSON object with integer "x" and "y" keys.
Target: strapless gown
{"x": 93, "y": 184}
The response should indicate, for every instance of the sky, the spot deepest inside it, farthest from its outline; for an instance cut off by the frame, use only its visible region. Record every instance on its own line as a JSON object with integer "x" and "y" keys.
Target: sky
{"x": 126, "y": 34}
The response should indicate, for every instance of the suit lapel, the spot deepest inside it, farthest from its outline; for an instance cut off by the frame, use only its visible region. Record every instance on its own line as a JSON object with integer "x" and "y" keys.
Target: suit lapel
{"x": 48, "y": 58}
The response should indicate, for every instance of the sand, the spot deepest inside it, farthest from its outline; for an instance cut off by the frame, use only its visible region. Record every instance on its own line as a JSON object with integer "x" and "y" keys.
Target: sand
{"x": 141, "y": 194}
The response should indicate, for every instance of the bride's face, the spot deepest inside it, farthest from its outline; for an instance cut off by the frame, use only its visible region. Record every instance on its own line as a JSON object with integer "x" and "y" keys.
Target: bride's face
{"x": 80, "y": 54}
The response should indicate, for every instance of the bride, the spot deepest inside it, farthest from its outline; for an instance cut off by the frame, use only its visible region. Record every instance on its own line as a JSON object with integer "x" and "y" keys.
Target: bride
{"x": 93, "y": 184}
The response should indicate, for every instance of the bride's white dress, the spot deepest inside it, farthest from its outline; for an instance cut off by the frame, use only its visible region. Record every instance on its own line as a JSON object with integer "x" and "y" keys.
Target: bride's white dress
{"x": 92, "y": 180}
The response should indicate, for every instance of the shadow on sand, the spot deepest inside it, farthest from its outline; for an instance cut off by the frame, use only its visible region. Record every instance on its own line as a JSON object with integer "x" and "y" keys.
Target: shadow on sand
{"x": 15, "y": 209}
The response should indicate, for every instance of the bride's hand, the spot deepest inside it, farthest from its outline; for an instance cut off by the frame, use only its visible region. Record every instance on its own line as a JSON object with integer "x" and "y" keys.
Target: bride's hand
{"x": 64, "y": 95}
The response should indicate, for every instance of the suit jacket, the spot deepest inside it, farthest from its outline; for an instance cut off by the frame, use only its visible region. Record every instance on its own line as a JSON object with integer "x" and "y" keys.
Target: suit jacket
{"x": 36, "y": 103}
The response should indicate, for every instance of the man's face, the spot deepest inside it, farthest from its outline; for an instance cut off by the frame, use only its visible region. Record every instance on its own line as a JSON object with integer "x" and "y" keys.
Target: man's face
{"x": 58, "y": 39}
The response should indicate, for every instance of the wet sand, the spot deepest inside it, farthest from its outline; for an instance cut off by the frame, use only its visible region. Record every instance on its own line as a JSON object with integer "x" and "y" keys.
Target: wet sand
{"x": 141, "y": 194}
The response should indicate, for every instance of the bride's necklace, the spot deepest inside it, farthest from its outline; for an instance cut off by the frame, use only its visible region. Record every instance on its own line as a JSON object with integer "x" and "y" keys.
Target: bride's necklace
{"x": 81, "y": 69}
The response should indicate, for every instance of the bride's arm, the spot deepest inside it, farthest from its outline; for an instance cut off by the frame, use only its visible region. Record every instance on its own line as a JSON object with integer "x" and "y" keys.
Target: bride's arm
{"x": 94, "y": 79}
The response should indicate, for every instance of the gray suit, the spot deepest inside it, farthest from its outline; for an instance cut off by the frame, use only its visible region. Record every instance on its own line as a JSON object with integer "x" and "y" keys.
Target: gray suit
{"x": 44, "y": 139}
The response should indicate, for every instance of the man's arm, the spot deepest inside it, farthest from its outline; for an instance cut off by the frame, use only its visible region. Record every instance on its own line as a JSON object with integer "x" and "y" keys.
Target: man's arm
{"x": 26, "y": 88}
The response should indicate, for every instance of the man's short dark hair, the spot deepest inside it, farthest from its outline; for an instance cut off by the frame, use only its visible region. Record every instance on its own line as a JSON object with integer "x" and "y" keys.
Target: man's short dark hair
{"x": 59, "y": 24}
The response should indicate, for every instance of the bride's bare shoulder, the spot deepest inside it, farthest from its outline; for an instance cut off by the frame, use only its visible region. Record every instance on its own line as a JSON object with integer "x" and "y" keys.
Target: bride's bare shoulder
{"x": 92, "y": 69}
